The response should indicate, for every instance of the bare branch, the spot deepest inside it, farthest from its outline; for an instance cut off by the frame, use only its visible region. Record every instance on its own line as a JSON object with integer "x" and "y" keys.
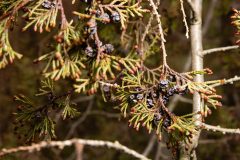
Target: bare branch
{"x": 61, "y": 144}
{"x": 15, "y": 9}
{"x": 158, "y": 152}
{"x": 209, "y": 15}
{"x": 214, "y": 141}
{"x": 115, "y": 85}
{"x": 80, "y": 120}
{"x": 226, "y": 81}
{"x": 161, "y": 152}
{"x": 150, "y": 145}
{"x": 86, "y": 114}
{"x": 63, "y": 16}
{"x": 147, "y": 28}
{"x": 220, "y": 49}
{"x": 83, "y": 99}
{"x": 160, "y": 29}
{"x": 184, "y": 19}
{"x": 220, "y": 129}
{"x": 105, "y": 114}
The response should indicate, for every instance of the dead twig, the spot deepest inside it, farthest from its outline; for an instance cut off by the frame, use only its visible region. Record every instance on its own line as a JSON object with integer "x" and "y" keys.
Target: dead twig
{"x": 220, "y": 129}
{"x": 61, "y": 144}
{"x": 220, "y": 49}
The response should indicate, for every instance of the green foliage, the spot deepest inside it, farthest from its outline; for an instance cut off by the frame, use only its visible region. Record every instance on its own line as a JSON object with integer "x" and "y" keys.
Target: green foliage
{"x": 37, "y": 122}
{"x": 39, "y": 17}
{"x": 33, "y": 122}
{"x": 68, "y": 110}
{"x": 7, "y": 54}
{"x": 236, "y": 22}
{"x": 6, "y": 6}
{"x": 46, "y": 87}
{"x": 123, "y": 8}
{"x": 79, "y": 53}
{"x": 147, "y": 100}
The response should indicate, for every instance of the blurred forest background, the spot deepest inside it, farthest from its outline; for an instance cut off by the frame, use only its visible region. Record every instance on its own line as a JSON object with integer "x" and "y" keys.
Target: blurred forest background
{"x": 99, "y": 120}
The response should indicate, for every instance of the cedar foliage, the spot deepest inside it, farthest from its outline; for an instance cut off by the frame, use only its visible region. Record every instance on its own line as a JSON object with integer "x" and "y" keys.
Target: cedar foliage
{"x": 79, "y": 54}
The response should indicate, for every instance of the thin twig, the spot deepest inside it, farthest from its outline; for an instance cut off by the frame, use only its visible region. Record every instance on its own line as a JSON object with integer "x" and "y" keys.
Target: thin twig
{"x": 159, "y": 151}
{"x": 184, "y": 19}
{"x": 226, "y": 81}
{"x": 83, "y": 99}
{"x": 220, "y": 49}
{"x": 149, "y": 24}
{"x": 63, "y": 16}
{"x": 80, "y": 120}
{"x": 176, "y": 99}
{"x": 147, "y": 28}
{"x": 150, "y": 145}
{"x": 155, "y": 12}
{"x": 115, "y": 85}
{"x": 61, "y": 144}
{"x": 15, "y": 9}
{"x": 141, "y": 44}
{"x": 214, "y": 141}
{"x": 209, "y": 15}
{"x": 105, "y": 114}
{"x": 220, "y": 129}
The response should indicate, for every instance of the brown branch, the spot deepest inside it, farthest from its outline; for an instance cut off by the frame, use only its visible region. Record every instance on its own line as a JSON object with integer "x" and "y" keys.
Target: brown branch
{"x": 105, "y": 114}
{"x": 184, "y": 19}
{"x": 214, "y": 141}
{"x": 220, "y": 129}
{"x": 150, "y": 145}
{"x": 209, "y": 15}
{"x": 86, "y": 114}
{"x": 83, "y": 99}
{"x": 161, "y": 152}
{"x": 15, "y": 9}
{"x": 63, "y": 16}
{"x": 220, "y": 49}
{"x": 147, "y": 29}
{"x": 149, "y": 24}
{"x": 144, "y": 35}
{"x": 79, "y": 151}
{"x": 160, "y": 29}
{"x": 114, "y": 85}
{"x": 61, "y": 144}
{"x": 80, "y": 120}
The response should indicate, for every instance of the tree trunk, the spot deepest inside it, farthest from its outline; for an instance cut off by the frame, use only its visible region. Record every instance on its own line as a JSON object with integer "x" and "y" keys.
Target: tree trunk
{"x": 197, "y": 64}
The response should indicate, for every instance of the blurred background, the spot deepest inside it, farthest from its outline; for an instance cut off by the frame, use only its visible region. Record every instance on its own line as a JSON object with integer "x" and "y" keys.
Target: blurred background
{"x": 99, "y": 120}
